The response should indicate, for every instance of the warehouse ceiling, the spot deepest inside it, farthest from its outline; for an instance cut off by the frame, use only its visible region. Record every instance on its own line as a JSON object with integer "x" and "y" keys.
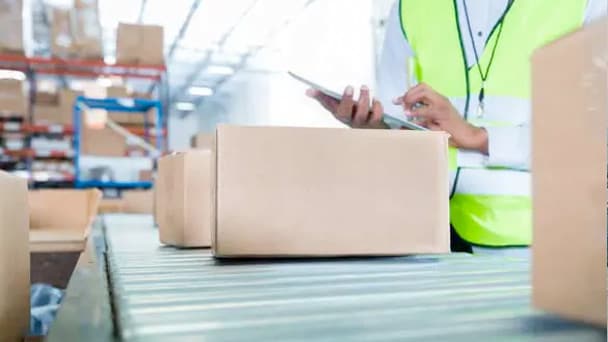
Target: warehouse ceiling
{"x": 207, "y": 43}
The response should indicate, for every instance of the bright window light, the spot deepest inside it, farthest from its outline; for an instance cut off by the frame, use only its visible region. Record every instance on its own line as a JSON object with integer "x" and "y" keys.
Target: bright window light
{"x": 12, "y": 74}
{"x": 184, "y": 106}
{"x": 220, "y": 70}
{"x": 200, "y": 91}
{"x": 77, "y": 85}
{"x": 109, "y": 59}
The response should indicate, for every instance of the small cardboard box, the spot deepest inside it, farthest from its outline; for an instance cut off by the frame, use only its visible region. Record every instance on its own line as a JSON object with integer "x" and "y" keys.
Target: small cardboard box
{"x": 569, "y": 77}
{"x": 13, "y": 99}
{"x": 52, "y": 228}
{"x": 14, "y": 259}
{"x": 139, "y": 44}
{"x": 330, "y": 192}
{"x": 203, "y": 141}
{"x": 184, "y": 198}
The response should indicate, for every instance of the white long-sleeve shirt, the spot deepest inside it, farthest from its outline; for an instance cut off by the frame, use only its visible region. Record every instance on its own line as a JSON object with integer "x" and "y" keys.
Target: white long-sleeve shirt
{"x": 508, "y": 146}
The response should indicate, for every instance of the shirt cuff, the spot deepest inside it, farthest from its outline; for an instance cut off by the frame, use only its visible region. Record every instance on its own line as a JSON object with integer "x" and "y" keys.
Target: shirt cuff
{"x": 508, "y": 147}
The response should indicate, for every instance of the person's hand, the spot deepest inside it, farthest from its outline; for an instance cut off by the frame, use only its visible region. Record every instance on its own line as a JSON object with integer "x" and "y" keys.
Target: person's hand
{"x": 356, "y": 114}
{"x": 434, "y": 111}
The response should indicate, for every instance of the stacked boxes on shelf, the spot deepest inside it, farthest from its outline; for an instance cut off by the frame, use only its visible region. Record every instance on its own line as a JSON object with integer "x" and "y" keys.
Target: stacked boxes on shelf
{"x": 76, "y": 32}
{"x": 13, "y": 112}
{"x": 36, "y": 119}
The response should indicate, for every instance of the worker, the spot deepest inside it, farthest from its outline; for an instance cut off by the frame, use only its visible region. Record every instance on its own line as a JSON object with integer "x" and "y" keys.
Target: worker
{"x": 471, "y": 62}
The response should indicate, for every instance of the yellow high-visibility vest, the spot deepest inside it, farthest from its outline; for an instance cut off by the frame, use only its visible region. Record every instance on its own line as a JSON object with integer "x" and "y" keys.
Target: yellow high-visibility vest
{"x": 490, "y": 206}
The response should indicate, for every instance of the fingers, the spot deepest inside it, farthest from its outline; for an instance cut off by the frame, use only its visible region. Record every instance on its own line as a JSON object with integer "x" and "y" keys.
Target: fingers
{"x": 418, "y": 94}
{"x": 344, "y": 111}
{"x": 377, "y": 111}
{"x": 362, "y": 111}
{"x": 329, "y": 103}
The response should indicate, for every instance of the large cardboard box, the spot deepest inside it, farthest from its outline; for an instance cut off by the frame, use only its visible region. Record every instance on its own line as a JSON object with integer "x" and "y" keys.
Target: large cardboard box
{"x": 330, "y": 192}
{"x": 13, "y": 98}
{"x": 14, "y": 259}
{"x": 570, "y": 119}
{"x": 203, "y": 141}
{"x": 139, "y": 44}
{"x": 52, "y": 228}
{"x": 184, "y": 198}
{"x": 11, "y": 27}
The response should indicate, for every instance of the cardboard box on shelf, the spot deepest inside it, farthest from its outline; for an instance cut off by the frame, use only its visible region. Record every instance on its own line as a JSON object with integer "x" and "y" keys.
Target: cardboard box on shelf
{"x": 47, "y": 114}
{"x": 76, "y": 32}
{"x": 123, "y": 118}
{"x": 62, "y": 42}
{"x": 139, "y": 44}
{"x": 308, "y": 191}
{"x": 146, "y": 175}
{"x": 184, "y": 198}
{"x": 570, "y": 281}
{"x": 103, "y": 142}
{"x": 138, "y": 201}
{"x": 141, "y": 95}
{"x": 55, "y": 229}
{"x": 47, "y": 98}
{"x": 203, "y": 141}
{"x": 61, "y": 113}
{"x": 14, "y": 259}
{"x": 11, "y": 27}
{"x": 117, "y": 91}
{"x": 13, "y": 98}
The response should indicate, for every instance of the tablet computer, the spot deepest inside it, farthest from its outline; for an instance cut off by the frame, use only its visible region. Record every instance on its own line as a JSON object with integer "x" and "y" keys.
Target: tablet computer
{"x": 388, "y": 119}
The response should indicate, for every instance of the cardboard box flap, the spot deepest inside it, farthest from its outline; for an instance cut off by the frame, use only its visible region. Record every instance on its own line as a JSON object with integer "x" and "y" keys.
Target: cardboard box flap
{"x": 63, "y": 209}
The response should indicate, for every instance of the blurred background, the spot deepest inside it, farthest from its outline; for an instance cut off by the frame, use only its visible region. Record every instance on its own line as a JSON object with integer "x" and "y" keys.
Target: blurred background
{"x": 206, "y": 62}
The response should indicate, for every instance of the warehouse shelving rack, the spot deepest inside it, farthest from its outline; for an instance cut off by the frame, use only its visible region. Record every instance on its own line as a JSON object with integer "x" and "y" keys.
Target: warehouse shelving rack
{"x": 32, "y": 67}
{"x": 132, "y": 106}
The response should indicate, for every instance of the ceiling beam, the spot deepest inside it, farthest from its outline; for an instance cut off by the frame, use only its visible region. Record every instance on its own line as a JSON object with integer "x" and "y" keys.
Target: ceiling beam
{"x": 183, "y": 29}
{"x": 243, "y": 63}
{"x": 202, "y": 64}
{"x": 142, "y": 9}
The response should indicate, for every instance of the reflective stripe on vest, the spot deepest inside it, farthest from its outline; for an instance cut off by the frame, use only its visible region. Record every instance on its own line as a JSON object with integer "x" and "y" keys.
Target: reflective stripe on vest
{"x": 491, "y": 206}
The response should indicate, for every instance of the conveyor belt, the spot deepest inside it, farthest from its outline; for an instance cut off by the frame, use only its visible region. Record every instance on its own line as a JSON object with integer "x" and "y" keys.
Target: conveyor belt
{"x": 165, "y": 294}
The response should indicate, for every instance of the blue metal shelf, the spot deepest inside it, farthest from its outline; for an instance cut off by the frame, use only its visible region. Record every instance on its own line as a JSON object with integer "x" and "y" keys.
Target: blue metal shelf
{"x": 128, "y": 105}
{"x": 115, "y": 185}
